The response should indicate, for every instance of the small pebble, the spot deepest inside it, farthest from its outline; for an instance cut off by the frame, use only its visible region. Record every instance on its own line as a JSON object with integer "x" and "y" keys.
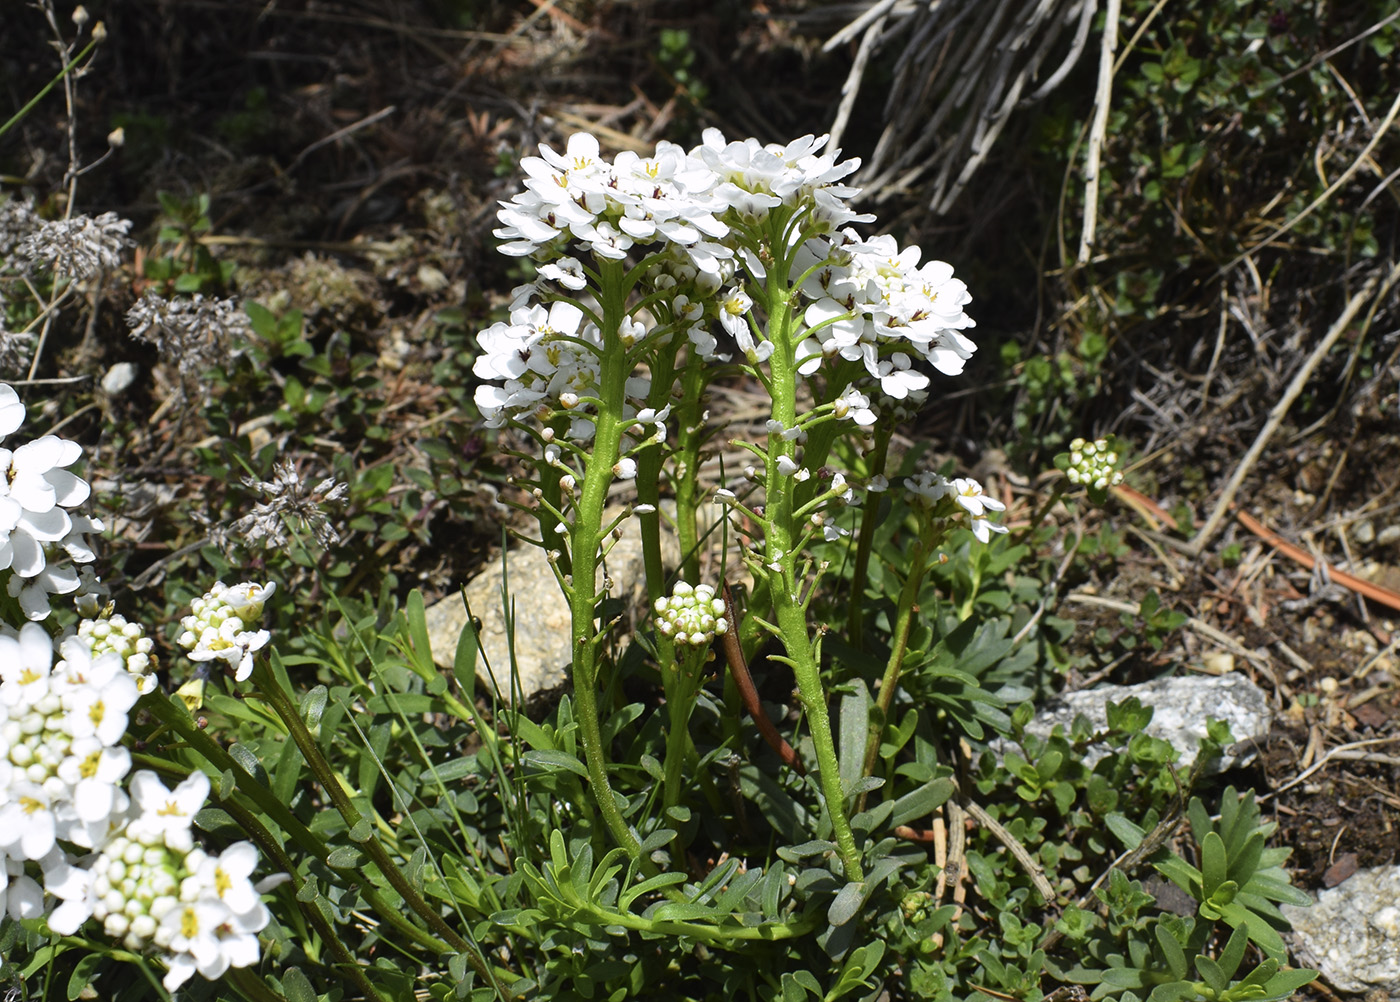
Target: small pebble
{"x": 1219, "y": 662}
{"x": 1363, "y": 531}
{"x": 119, "y": 378}
{"x": 1328, "y": 685}
{"x": 1390, "y": 534}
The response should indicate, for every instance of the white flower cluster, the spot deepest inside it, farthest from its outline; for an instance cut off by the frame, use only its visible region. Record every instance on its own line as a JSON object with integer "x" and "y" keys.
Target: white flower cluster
{"x": 61, "y": 758}
{"x": 874, "y": 303}
{"x": 223, "y": 626}
{"x": 106, "y": 631}
{"x": 867, "y": 300}
{"x": 1093, "y": 464}
{"x": 951, "y": 498}
{"x": 692, "y": 615}
{"x": 153, "y": 889}
{"x": 37, "y": 524}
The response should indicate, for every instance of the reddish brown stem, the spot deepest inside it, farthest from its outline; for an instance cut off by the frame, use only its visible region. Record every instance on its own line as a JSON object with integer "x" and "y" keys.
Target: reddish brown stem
{"x": 739, "y": 668}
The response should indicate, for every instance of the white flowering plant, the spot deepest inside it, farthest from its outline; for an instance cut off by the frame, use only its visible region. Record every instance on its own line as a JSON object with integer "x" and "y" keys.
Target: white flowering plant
{"x": 656, "y": 276}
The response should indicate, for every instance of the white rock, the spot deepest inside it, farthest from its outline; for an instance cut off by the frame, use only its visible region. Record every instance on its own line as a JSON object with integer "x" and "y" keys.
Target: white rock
{"x": 1181, "y": 707}
{"x": 1352, "y": 934}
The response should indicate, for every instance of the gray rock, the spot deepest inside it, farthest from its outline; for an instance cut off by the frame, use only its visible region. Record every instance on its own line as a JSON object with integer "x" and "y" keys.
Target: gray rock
{"x": 1181, "y": 707}
{"x": 542, "y": 645}
{"x": 1352, "y": 934}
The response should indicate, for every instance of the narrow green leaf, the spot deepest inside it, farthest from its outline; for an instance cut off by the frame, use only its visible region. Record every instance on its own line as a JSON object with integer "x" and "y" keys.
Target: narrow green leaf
{"x": 846, "y": 903}
{"x": 1214, "y": 865}
{"x": 1124, "y": 830}
{"x": 1233, "y": 953}
{"x": 552, "y": 759}
{"x": 346, "y": 857}
{"x": 1172, "y": 952}
{"x": 313, "y": 705}
{"x": 855, "y": 727}
{"x": 1211, "y": 974}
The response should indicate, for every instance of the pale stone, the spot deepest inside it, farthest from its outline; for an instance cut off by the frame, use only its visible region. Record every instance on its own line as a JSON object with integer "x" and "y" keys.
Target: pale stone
{"x": 542, "y": 641}
{"x": 1352, "y": 933}
{"x": 1181, "y": 707}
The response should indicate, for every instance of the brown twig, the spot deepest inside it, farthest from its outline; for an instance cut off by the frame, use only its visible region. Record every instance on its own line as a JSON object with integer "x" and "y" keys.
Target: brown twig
{"x": 734, "y": 654}
{"x": 1280, "y": 409}
{"x": 1372, "y": 591}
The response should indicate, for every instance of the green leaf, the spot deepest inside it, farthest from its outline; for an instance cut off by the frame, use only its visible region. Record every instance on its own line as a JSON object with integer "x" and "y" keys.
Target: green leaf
{"x": 921, "y": 801}
{"x": 1124, "y": 830}
{"x": 855, "y": 727}
{"x": 549, "y": 759}
{"x": 296, "y": 986}
{"x": 1285, "y": 983}
{"x": 1172, "y": 952}
{"x": 1212, "y": 974}
{"x": 1214, "y": 865}
{"x": 313, "y": 705}
{"x": 84, "y": 973}
{"x": 346, "y": 857}
{"x": 1233, "y": 953}
{"x": 846, "y": 903}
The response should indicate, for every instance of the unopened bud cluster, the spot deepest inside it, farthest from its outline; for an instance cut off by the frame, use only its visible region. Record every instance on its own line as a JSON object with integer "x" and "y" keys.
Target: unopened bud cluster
{"x": 108, "y": 632}
{"x": 692, "y": 615}
{"x": 223, "y": 626}
{"x": 1093, "y": 464}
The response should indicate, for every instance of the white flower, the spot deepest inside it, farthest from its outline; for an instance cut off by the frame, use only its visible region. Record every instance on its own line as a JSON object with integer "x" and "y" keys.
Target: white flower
{"x": 567, "y": 271}
{"x": 164, "y": 815}
{"x": 983, "y": 529}
{"x": 191, "y": 933}
{"x": 226, "y": 877}
{"x": 928, "y": 488}
{"x": 787, "y": 466}
{"x": 222, "y": 626}
{"x": 968, "y": 494}
{"x": 855, "y": 405}
{"x": 625, "y": 469}
{"x": 36, "y": 496}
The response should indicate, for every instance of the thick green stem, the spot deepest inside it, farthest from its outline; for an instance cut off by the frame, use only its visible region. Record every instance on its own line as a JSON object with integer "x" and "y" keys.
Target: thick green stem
{"x": 781, "y": 537}
{"x": 585, "y": 538}
{"x": 908, "y": 607}
{"x": 860, "y": 572}
{"x": 690, "y": 436}
{"x": 682, "y": 684}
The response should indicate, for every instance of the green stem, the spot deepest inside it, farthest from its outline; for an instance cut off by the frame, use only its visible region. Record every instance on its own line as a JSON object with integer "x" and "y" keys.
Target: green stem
{"x": 585, "y": 537}
{"x": 29, "y": 106}
{"x": 690, "y": 436}
{"x": 1025, "y": 534}
{"x": 371, "y": 846}
{"x": 908, "y": 607}
{"x": 682, "y": 683}
{"x": 855, "y": 624}
{"x": 781, "y": 558}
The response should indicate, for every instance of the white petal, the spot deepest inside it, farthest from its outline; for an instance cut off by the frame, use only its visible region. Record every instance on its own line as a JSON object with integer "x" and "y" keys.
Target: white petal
{"x": 11, "y": 410}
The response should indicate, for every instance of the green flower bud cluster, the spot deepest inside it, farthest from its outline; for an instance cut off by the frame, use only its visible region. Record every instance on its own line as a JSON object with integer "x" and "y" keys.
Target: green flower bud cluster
{"x": 111, "y": 632}
{"x": 135, "y": 885}
{"x": 692, "y": 615}
{"x": 1093, "y": 464}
